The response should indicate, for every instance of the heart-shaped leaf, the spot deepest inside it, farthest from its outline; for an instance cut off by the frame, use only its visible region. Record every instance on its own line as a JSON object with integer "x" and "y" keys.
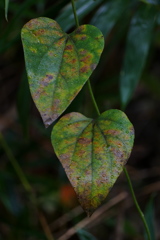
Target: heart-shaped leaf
{"x": 93, "y": 152}
{"x": 58, "y": 64}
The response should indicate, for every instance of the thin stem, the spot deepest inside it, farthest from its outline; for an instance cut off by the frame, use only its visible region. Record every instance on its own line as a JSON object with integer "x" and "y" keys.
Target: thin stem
{"x": 88, "y": 82}
{"x": 136, "y": 203}
{"x": 75, "y": 13}
{"x": 15, "y": 164}
{"x": 26, "y": 185}
{"x": 93, "y": 98}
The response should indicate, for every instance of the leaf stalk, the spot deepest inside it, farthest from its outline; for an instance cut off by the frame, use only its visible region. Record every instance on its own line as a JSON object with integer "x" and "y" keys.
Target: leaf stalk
{"x": 75, "y": 14}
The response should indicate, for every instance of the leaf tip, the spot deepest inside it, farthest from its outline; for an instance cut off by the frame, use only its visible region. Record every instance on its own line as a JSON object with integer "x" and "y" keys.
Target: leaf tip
{"x": 47, "y": 122}
{"x": 6, "y": 17}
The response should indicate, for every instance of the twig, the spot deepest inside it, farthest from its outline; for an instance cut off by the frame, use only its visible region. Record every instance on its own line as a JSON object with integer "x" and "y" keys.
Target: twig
{"x": 153, "y": 187}
{"x": 66, "y": 218}
{"x": 45, "y": 226}
{"x": 86, "y": 221}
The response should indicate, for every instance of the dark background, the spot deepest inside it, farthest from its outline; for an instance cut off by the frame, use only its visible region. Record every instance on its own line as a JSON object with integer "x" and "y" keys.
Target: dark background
{"x": 29, "y": 142}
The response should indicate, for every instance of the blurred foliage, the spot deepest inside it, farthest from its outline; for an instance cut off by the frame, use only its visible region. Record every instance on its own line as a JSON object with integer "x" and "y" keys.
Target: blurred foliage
{"x": 150, "y": 217}
{"x": 129, "y": 27}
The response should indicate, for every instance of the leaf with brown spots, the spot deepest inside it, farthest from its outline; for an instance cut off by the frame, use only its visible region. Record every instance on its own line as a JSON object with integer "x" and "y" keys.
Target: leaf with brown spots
{"x": 93, "y": 152}
{"x": 58, "y": 64}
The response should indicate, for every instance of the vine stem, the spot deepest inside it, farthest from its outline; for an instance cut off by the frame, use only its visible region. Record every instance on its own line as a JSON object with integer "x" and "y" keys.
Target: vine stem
{"x": 88, "y": 82}
{"x": 93, "y": 98}
{"x": 136, "y": 203}
{"x": 124, "y": 169}
{"x": 75, "y": 14}
{"x": 26, "y": 185}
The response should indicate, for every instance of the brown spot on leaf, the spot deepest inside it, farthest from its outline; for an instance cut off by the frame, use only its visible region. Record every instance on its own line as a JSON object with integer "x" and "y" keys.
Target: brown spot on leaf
{"x": 83, "y": 52}
{"x": 79, "y": 30}
{"x": 32, "y": 23}
{"x": 38, "y": 93}
{"x": 64, "y": 157}
{"x": 118, "y": 154}
{"x": 83, "y": 37}
{"x": 59, "y": 42}
{"x": 84, "y": 141}
{"x": 112, "y": 132}
{"x": 69, "y": 47}
{"x": 97, "y": 38}
{"x": 84, "y": 69}
{"x": 65, "y": 56}
{"x": 49, "y": 76}
{"x": 74, "y": 60}
{"x": 119, "y": 144}
{"x": 39, "y": 32}
{"x": 46, "y": 80}
{"x": 86, "y": 59}
{"x": 81, "y": 152}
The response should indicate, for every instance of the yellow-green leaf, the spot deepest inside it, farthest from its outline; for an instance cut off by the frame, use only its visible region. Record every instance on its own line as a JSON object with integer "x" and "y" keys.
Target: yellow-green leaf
{"x": 58, "y": 64}
{"x": 93, "y": 152}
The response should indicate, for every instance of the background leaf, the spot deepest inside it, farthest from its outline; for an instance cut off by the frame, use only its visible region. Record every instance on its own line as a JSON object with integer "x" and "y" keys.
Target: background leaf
{"x": 93, "y": 152}
{"x": 109, "y": 13}
{"x": 58, "y": 64}
{"x": 150, "y": 218}
{"x": 83, "y": 7}
{"x": 138, "y": 42}
{"x": 6, "y": 9}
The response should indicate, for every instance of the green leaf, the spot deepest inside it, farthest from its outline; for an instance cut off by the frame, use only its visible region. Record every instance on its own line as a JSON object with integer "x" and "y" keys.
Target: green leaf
{"x": 93, "y": 152}
{"x": 58, "y": 64}
{"x": 138, "y": 42}
{"x": 109, "y": 13}
{"x": 6, "y": 9}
